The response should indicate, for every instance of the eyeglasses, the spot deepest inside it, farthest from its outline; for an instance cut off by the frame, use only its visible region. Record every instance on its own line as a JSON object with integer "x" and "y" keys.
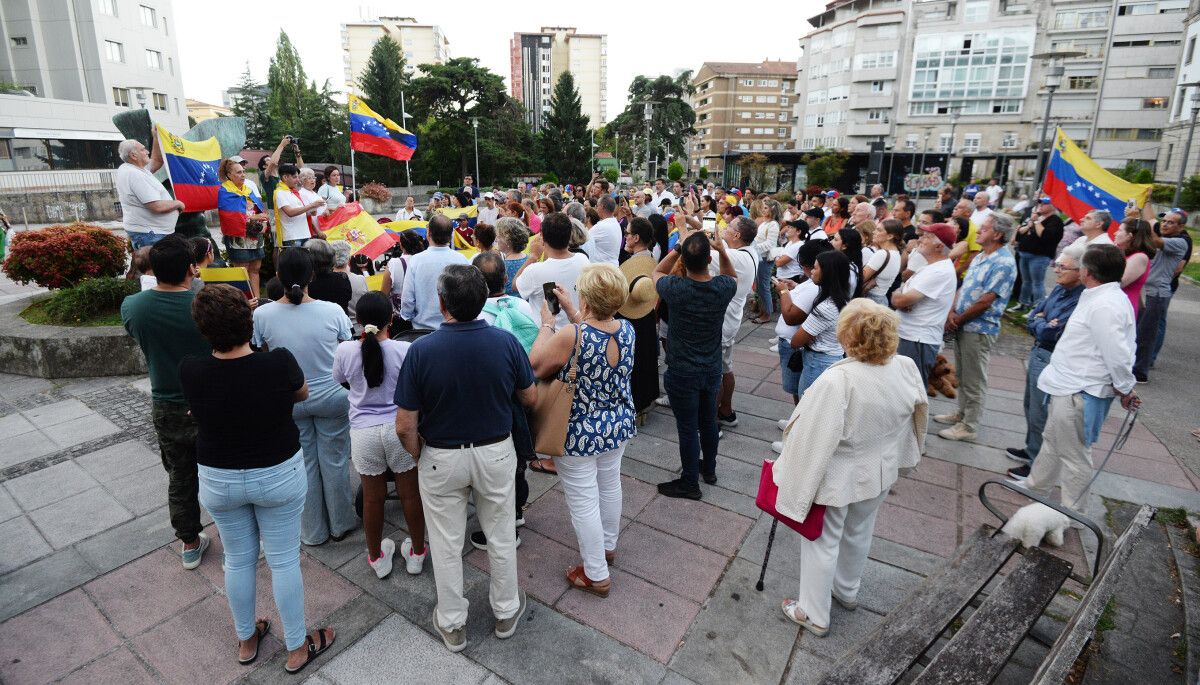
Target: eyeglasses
{"x": 1061, "y": 267}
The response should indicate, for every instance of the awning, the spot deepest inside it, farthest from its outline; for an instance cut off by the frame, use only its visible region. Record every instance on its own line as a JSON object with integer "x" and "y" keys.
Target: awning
{"x": 61, "y": 134}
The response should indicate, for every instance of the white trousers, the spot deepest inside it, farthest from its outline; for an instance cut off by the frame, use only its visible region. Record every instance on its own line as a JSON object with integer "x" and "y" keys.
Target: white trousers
{"x": 1063, "y": 460}
{"x": 834, "y": 562}
{"x": 446, "y": 478}
{"x": 593, "y": 489}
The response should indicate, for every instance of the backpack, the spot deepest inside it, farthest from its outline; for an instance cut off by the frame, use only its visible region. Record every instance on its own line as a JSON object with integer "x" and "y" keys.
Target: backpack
{"x": 509, "y": 318}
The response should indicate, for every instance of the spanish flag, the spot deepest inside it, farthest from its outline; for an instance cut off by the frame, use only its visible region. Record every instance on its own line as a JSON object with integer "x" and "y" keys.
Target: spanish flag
{"x": 350, "y": 223}
{"x": 370, "y": 132}
{"x": 192, "y": 168}
{"x": 1077, "y": 185}
{"x": 231, "y": 208}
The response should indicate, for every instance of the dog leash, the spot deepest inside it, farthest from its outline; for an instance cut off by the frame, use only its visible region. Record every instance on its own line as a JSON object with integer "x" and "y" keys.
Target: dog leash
{"x": 1119, "y": 441}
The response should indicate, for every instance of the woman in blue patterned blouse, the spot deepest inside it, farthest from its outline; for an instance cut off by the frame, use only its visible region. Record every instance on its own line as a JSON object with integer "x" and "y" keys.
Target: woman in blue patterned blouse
{"x": 602, "y": 414}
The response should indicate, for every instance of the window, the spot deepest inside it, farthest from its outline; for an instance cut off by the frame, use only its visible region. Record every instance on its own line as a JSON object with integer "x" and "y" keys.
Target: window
{"x": 945, "y": 142}
{"x": 149, "y": 17}
{"x": 877, "y": 87}
{"x": 171, "y": 65}
{"x": 975, "y": 73}
{"x": 1081, "y": 82}
{"x": 1143, "y": 43}
{"x": 765, "y": 99}
{"x": 761, "y": 115}
{"x": 839, "y": 93}
{"x": 1191, "y": 50}
{"x": 746, "y": 98}
{"x": 1160, "y": 72}
{"x": 875, "y": 60}
{"x": 1128, "y": 134}
{"x": 160, "y": 101}
{"x": 154, "y": 59}
{"x": 121, "y": 97}
{"x": 114, "y": 51}
{"x": 1009, "y": 142}
{"x": 816, "y": 97}
{"x": 783, "y": 132}
{"x": 745, "y": 115}
{"x": 108, "y": 7}
{"x": 1092, "y": 48}
{"x": 910, "y": 141}
{"x": 743, "y": 131}
{"x": 971, "y": 143}
{"x": 875, "y": 115}
{"x": 1154, "y": 103}
{"x": 807, "y": 143}
{"x": 1143, "y": 8}
{"x": 976, "y": 11}
{"x": 748, "y": 82}
{"x": 887, "y": 31}
{"x": 784, "y": 100}
{"x": 1081, "y": 19}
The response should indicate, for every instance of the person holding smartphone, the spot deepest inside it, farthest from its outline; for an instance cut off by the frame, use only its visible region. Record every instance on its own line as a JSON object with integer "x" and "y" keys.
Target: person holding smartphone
{"x": 559, "y": 265}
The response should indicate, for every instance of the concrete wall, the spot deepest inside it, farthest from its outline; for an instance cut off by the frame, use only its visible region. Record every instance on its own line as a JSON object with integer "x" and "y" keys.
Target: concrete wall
{"x": 63, "y": 351}
{"x": 59, "y": 207}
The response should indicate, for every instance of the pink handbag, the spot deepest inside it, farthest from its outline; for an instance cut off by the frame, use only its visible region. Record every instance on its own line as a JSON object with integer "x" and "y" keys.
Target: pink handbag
{"x": 768, "y": 492}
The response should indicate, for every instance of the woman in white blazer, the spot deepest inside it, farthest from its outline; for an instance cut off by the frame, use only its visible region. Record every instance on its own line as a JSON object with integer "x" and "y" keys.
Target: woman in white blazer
{"x": 855, "y": 427}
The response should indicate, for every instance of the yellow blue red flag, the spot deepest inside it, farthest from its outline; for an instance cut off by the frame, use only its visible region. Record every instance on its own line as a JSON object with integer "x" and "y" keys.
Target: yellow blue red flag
{"x": 371, "y": 132}
{"x": 350, "y": 223}
{"x": 192, "y": 168}
{"x": 1077, "y": 185}
{"x": 229, "y": 275}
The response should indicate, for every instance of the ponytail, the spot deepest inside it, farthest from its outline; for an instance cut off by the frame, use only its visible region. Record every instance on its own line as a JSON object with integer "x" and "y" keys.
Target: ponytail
{"x": 374, "y": 311}
{"x": 295, "y": 294}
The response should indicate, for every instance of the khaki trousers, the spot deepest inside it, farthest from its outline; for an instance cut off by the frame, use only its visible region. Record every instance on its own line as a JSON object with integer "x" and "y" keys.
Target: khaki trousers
{"x": 971, "y": 351}
{"x": 1064, "y": 460}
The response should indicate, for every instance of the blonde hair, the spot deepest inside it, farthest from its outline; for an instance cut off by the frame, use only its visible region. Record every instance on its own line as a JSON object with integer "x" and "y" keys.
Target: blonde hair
{"x": 868, "y": 332}
{"x": 866, "y": 229}
{"x": 602, "y": 287}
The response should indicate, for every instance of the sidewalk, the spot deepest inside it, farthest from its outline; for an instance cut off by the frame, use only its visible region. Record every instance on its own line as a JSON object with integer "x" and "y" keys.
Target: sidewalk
{"x": 92, "y": 589}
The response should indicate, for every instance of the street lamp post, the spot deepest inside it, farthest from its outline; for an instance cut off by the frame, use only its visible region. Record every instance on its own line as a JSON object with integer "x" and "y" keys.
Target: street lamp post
{"x": 475, "y": 124}
{"x": 648, "y": 113}
{"x": 1054, "y": 74}
{"x": 950, "y": 148}
{"x": 890, "y": 149}
{"x": 617, "y": 150}
{"x": 404, "y": 116}
{"x": 924, "y": 150}
{"x": 724, "y": 163}
{"x": 1187, "y": 147}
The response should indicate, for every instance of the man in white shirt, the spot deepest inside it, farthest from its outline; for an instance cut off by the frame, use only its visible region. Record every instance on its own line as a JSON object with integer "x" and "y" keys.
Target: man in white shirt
{"x": 488, "y": 212}
{"x": 1094, "y": 225}
{"x": 661, "y": 193}
{"x": 925, "y": 299}
{"x": 643, "y": 200}
{"x": 994, "y": 191}
{"x": 147, "y": 209}
{"x": 738, "y": 235}
{"x": 1091, "y": 363}
{"x": 561, "y": 266}
{"x": 409, "y": 211}
{"x": 291, "y": 212}
{"x": 606, "y": 233}
{"x": 982, "y": 208}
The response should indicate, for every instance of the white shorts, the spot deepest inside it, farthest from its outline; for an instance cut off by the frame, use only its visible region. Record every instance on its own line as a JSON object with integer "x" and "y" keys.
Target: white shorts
{"x": 377, "y": 449}
{"x": 727, "y": 358}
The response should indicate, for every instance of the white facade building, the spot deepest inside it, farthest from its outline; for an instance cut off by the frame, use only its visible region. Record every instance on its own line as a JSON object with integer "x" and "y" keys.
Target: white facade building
{"x": 420, "y": 43}
{"x": 1182, "y": 107}
{"x": 538, "y": 59}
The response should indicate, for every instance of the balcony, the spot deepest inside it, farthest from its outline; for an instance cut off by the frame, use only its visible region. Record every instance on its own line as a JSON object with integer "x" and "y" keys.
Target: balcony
{"x": 884, "y": 74}
{"x": 870, "y": 128}
{"x": 871, "y": 101}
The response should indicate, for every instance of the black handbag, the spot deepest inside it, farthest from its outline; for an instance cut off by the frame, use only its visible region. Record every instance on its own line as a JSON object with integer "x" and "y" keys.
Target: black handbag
{"x": 796, "y": 361}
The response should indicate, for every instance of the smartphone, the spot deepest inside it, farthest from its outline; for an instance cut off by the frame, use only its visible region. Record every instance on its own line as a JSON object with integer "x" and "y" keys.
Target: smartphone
{"x": 551, "y": 298}
{"x": 710, "y": 225}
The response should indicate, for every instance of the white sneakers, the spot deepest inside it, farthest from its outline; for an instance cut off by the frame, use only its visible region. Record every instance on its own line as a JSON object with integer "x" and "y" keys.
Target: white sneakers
{"x": 413, "y": 563}
{"x": 383, "y": 565}
{"x": 947, "y": 419}
{"x": 663, "y": 401}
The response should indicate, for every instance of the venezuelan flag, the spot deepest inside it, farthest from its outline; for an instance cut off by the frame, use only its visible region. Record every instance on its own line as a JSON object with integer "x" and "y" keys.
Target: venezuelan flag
{"x": 398, "y": 227}
{"x": 350, "y": 223}
{"x": 229, "y": 275}
{"x": 231, "y": 208}
{"x": 370, "y": 132}
{"x": 192, "y": 168}
{"x": 1077, "y": 185}
{"x": 453, "y": 213}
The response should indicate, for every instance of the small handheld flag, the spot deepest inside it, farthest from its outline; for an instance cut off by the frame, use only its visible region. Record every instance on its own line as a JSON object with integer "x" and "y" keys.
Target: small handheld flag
{"x": 370, "y": 132}
{"x": 229, "y": 275}
{"x": 192, "y": 168}
{"x": 1077, "y": 185}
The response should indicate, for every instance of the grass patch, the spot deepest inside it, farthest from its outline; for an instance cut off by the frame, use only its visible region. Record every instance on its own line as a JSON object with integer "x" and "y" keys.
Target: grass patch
{"x": 37, "y": 314}
{"x": 1070, "y": 593}
{"x": 1176, "y": 516}
{"x": 1108, "y": 617}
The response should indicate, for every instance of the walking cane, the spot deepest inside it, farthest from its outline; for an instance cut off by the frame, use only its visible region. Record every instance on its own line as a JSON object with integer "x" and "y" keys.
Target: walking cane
{"x": 766, "y": 555}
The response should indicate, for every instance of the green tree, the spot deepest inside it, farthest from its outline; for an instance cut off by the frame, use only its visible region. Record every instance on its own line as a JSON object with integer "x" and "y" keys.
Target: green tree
{"x": 286, "y": 91}
{"x": 383, "y": 79}
{"x": 672, "y": 118}
{"x": 250, "y": 103}
{"x": 703, "y": 173}
{"x": 675, "y": 171}
{"x": 323, "y": 126}
{"x": 565, "y": 141}
{"x": 612, "y": 174}
{"x": 752, "y": 166}
{"x": 825, "y": 166}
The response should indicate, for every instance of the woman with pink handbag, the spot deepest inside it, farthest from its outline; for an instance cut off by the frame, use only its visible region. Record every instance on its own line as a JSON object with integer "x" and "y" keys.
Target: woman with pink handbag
{"x": 855, "y": 427}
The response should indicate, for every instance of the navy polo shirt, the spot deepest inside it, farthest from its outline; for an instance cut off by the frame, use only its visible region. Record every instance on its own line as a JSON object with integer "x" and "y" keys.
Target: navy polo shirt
{"x": 461, "y": 379}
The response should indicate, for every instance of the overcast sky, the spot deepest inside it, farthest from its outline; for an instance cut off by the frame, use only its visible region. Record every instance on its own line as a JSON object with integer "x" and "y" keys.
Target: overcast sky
{"x": 643, "y": 39}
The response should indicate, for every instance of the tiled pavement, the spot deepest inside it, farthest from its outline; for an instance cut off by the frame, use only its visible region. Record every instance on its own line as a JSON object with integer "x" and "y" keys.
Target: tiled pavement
{"x": 91, "y": 589}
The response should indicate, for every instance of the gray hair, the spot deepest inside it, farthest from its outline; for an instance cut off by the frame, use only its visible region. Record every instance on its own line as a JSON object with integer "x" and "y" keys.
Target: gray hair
{"x": 1003, "y": 224}
{"x": 342, "y": 250}
{"x": 575, "y": 211}
{"x": 307, "y": 172}
{"x": 745, "y": 227}
{"x": 513, "y": 232}
{"x": 462, "y": 290}
{"x": 126, "y": 148}
{"x": 1073, "y": 253}
{"x": 579, "y": 233}
{"x": 1101, "y": 215}
{"x": 607, "y": 204}
{"x": 322, "y": 254}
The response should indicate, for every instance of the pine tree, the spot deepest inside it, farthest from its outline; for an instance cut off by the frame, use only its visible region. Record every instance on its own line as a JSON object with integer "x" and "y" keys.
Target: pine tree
{"x": 286, "y": 86}
{"x": 322, "y": 126}
{"x": 381, "y": 82}
{"x": 250, "y": 103}
{"x": 564, "y": 135}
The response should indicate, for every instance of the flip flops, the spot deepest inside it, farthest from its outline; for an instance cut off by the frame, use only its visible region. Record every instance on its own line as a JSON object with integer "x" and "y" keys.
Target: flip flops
{"x": 543, "y": 466}
{"x": 261, "y": 628}
{"x": 313, "y": 650}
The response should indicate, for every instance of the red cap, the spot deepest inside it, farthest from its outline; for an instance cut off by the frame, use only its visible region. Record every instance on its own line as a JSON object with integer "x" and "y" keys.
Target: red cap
{"x": 945, "y": 232}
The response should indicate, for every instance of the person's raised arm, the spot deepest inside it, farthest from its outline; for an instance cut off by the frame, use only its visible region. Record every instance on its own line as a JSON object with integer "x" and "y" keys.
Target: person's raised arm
{"x": 283, "y": 142}
{"x": 718, "y": 244}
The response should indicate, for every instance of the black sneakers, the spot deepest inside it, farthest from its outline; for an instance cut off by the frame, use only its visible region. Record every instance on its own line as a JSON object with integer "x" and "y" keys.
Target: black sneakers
{"x": 1019, "y": 472}
{"x": 730, "y": 420}
{"x": 677, "y": 488}
{"x": 1017, "y": 454}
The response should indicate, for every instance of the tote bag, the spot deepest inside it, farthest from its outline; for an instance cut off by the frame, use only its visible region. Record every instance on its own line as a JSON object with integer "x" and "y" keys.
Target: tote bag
{"x": 553, "y": 409}
{"x": 768, "y": 492}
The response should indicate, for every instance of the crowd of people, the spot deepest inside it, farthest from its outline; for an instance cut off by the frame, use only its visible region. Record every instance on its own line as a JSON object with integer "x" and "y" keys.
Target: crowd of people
{"x": 442, "y": 382}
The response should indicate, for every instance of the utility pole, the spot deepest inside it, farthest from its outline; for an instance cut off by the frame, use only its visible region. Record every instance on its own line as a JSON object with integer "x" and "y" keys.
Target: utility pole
{"x": 1187, "y": 147}
{"x": 475, "y": 124}
{"x": 1054, "y": 75}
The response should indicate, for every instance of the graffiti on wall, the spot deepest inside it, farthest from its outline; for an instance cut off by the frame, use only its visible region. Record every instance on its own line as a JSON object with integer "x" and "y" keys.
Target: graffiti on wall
{"x": 931, "y": 180}
{"x": 66, "y": 211}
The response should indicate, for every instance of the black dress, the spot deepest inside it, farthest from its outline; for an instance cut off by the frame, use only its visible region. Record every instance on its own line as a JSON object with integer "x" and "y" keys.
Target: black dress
{"x": 332, "y": 286}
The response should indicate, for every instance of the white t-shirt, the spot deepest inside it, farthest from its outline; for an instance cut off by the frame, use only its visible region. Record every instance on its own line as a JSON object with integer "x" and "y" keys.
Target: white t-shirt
{"x": 333, "y": 197}
{"x": 884, "y": 278}
{"x": 792, "y": 268}
{"x": 294, "y": 227}
{"x": 136, "y": 187}
{"x": 564, "y": 272}
{"x": 405, "y": 215}
{"x": 605, "y": 237}
{"x": 979, "y": 215}
{"x": 745, "y": 265}
{"x": 310, "y": 197}
{"x": 521, "y": 305}
{"x": 1101, "y": 239}
{"x": 821, "y": 324}
{"x": 803, "y": 296}
{"x": 916, "y": 261}
{"x": 396, "y": 268}
{"x": 993, "y": 193}
{"x": 926, "y": 321}
{"x": 487, "y": 216}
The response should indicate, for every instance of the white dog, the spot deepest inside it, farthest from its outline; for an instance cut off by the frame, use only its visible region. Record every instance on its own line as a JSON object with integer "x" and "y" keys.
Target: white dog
{"x": 1033, "y": 522}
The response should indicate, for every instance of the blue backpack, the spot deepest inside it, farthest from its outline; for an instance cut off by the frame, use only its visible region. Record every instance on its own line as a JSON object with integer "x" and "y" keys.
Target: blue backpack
{"x": 509, "y": 318}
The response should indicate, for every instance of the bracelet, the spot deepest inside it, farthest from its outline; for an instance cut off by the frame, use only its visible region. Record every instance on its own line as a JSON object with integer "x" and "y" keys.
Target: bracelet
{"x": 548, "y": 325}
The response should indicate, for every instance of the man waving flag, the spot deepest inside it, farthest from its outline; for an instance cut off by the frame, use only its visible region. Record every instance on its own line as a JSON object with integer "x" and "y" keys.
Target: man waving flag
{"x": 370, "y": 132}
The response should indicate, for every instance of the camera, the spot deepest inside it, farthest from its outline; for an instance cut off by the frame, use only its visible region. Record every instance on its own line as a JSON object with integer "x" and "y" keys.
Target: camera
{"x": 293, "y": 140}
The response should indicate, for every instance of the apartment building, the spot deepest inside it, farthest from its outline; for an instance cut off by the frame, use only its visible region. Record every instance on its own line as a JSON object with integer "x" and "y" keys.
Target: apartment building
{"x": 420, "y": 43}
{"x": 740, "y": 107}
{"x": 1183, "y": 107}
{"x": 537, "y": 60}
{"x": 79, "y": 62}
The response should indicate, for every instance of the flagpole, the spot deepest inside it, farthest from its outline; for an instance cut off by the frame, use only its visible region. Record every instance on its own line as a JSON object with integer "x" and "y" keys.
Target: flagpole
{"x": 353, "y": 176}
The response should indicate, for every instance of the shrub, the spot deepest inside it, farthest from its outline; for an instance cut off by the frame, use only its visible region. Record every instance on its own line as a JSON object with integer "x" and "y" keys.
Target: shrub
{"x": 674, "y": 171}
{"x": 64, "y": 255}
{"x": 703, "y": 173}
{"x": 550, "y": 177}
{"x": 1162, "y": 193}
{"x": 376, "y": 191}
{"x": 611, "y": 175}
{"x": 89, "y": 300}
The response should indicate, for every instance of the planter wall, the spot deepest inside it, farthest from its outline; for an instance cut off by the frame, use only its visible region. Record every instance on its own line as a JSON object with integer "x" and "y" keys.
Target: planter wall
{"x": 64, "y": 351}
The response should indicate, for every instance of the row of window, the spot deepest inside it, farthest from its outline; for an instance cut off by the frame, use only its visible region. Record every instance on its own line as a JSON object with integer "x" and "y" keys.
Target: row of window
{"x": 763, "y": 82}
{"x": 761, "y": 131}
{"x": 115, "y": 52}
{"x": 123, "y": 97}
{"x": 827, "y": 141}
{"x": 1128, "y": 134}
{"x": 148, "y": 14}
{"x": 756, "y": 115}
{"x": 761, "y": 99}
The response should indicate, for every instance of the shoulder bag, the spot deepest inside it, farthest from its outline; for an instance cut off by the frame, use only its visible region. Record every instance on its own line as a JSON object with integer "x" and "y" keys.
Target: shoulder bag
{"x": 768, "y": 492}
{"x": 869, "y": 285}
{"x": 552, "y": 412}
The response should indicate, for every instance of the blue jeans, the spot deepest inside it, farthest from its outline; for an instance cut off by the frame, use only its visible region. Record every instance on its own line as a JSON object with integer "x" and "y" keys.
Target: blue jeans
{"x": 694, "y": 402}
{"x": 1162, "y": 333}
{"x": 815, "y": 364}
{"x": 1149, "y": 322}
{"x": 1033, "y": 278}
{"x": 763, "y": 285}
{"x": 791, "y": 379}
{"x": 299, "y": 242}
{"x": 1036, "y": 402}
{"x": 141, "y": 239}
{"x": 249, "y": 504}
{"x": 323, "y": 420}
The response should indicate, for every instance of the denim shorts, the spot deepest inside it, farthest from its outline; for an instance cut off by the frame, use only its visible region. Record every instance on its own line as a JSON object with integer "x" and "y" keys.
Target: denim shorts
{"x": 238, "y": 255}
{"x": 791, "y": 379}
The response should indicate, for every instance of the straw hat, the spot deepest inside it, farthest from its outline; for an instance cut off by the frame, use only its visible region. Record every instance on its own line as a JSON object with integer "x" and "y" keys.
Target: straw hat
{"x": 642, "y": 294}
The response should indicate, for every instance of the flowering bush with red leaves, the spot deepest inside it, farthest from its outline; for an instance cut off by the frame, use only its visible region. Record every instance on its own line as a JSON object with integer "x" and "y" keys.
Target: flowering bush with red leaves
{"x": 64, "y": 255}
{"x": 376, "y": 191}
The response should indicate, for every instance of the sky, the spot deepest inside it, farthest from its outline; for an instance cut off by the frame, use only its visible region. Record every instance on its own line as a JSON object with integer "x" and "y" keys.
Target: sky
{"x": 646, "y": 39}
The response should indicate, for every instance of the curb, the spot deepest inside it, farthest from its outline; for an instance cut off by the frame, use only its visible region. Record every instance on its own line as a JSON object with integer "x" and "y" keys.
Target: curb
{"x": 1188, "y": 567}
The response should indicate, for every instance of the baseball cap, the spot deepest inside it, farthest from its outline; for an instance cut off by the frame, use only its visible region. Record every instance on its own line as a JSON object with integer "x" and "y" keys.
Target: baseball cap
{"x": 488, "y": 196}
{"x": 814, "y": 213}
{"x": 1044, "y": 200}
{"x": 438, "y": 196}
{"x": 1174, "y": 210}
{"x": 944, "y": 232}
{"x": 830, "y": 193}
{"x": 239, "y": 159}
{"x": 880, "y": 202}
{"x": 735, "y": 191}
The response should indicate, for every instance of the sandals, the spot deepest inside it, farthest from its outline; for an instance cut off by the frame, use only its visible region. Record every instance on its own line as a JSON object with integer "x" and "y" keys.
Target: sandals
{"x": 543, "y": 466}
{"x": 261, "y": 628}
{"x": 791, "y": 609}
{"x": 578, "y": 579}
{"x": 313, "y": 650}
{"x": 610, "y": 556}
